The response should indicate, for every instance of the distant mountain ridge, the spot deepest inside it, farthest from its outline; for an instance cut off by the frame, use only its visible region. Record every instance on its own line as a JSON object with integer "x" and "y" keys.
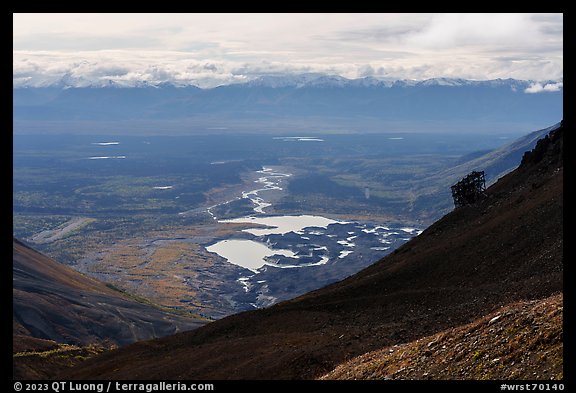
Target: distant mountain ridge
{"x": 299, "y": 102}
{"x": 320, "y": 80}
{"x": 312, "y": 79}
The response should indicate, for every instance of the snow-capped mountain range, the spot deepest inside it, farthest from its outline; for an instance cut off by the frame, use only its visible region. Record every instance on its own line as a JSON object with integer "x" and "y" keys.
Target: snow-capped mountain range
{"x": 320, "y": 80}
{"x": 281, "y": 80}
{"x": 312, "y": 101}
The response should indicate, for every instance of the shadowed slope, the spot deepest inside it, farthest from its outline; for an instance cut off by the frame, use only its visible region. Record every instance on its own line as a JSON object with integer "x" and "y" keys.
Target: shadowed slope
{"x": 51, "y": 301}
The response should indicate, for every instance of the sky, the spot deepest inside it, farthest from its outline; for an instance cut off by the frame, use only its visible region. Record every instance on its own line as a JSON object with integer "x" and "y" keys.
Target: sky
{"x": 208, "y": 50}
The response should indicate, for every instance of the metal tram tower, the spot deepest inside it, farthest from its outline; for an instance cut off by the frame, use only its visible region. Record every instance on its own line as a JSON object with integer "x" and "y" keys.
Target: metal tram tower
{"x": 470, "y": 189}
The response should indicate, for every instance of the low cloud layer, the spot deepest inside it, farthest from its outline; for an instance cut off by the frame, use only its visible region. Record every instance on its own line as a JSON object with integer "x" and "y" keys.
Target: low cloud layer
{"x": 208, "y": 50}
{"x": 542, "y": 88}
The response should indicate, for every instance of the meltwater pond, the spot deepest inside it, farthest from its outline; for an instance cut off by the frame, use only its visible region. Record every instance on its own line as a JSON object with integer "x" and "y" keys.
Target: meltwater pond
{"x": 247, "y": 253}
{"x": 281, "y": 225}
{"x": 298, "y": 241}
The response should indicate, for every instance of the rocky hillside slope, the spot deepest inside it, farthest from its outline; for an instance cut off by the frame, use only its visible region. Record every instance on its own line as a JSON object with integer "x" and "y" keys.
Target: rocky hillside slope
{"x": 521, "y": 341}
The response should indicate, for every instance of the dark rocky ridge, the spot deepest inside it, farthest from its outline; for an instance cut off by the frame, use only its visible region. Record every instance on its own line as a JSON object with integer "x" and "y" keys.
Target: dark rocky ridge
{"x": 506, "y": 248}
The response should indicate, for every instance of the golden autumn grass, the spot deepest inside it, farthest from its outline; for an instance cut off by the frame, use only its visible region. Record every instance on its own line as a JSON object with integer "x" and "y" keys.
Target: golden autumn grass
{"x": 159, "y": 266}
